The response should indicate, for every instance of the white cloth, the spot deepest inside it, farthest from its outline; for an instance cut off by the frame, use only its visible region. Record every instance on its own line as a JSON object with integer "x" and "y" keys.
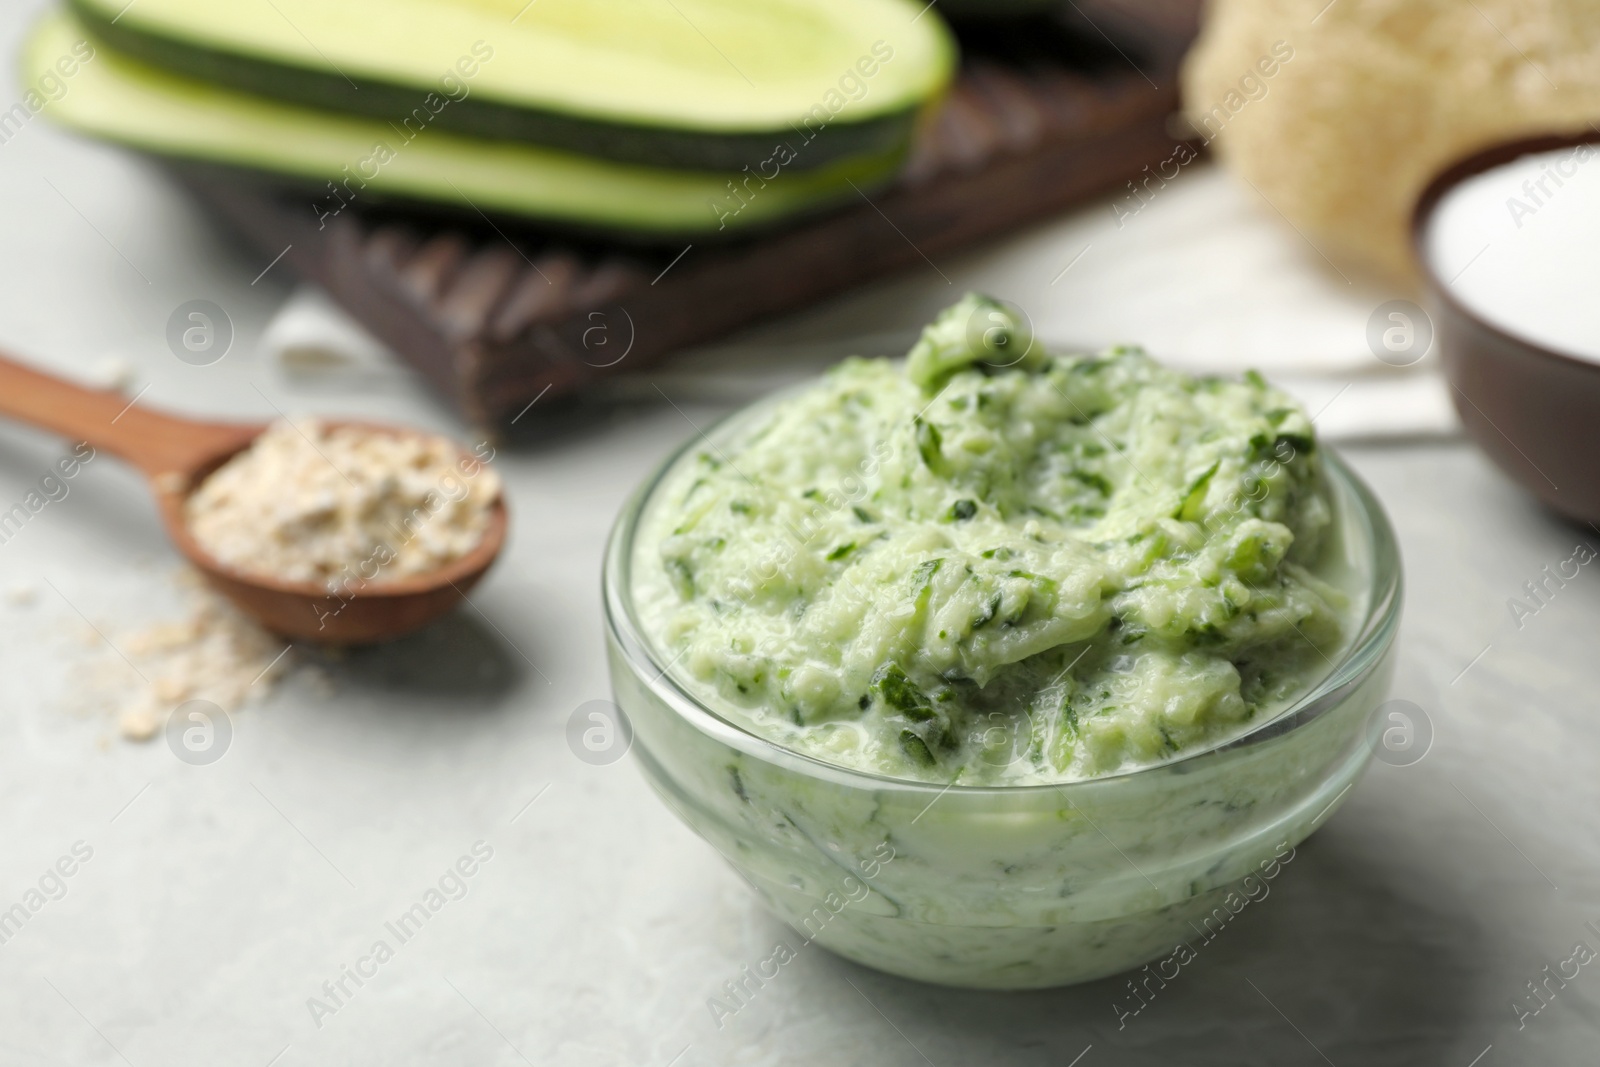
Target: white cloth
{"x": 314, "y": 341}
{"x": 1205, "y": 275}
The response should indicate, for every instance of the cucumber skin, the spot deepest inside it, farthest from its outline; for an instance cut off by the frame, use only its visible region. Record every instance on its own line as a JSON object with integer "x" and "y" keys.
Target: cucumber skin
{"x": 997, "y": 9}
{"x": 650, "y": 145}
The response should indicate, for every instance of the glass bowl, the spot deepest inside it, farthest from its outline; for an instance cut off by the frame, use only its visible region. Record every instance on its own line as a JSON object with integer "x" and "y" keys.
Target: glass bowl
{"x": 1012, "y": 887}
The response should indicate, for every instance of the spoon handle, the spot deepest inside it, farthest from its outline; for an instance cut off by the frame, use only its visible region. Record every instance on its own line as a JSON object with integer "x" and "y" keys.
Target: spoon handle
{"x": 154, "y": 442}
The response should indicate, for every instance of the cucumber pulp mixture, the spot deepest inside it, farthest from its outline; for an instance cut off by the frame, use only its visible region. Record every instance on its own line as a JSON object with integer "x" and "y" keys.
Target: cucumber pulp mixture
{"x": 993, "y": 565}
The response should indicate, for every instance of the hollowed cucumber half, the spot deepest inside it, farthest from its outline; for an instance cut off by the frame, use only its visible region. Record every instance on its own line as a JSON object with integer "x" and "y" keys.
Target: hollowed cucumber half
{"x": 344, "y": 159}
{"x": 700, "y": 84}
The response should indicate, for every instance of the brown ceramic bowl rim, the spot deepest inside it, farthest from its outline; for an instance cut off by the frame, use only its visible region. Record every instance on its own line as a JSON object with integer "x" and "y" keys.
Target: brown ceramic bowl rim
{"x": 1478, "y": 162}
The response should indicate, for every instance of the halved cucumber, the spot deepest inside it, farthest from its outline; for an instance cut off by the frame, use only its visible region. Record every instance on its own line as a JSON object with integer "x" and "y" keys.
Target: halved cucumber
{"x": 119, "y": 99}
{"x": 704, "y": 84}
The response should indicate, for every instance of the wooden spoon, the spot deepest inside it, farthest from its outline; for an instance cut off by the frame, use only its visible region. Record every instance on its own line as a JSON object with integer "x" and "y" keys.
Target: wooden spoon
{"x": 177, "y": 454}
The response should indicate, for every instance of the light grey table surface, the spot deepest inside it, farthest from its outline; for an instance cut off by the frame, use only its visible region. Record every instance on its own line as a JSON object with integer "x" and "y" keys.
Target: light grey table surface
{"x": 219, "y": 899}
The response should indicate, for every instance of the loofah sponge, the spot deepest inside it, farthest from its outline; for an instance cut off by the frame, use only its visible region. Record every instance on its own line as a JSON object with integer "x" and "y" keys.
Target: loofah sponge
{"x": 1378, "y": 96}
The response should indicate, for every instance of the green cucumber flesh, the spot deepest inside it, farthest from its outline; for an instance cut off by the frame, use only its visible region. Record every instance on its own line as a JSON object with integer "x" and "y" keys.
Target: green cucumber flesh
{"x": 119, "y": 99}
{"x": 700, "y": 84}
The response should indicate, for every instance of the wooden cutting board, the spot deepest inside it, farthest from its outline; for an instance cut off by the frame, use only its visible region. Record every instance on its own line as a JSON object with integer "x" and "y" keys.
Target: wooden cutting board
{"x": 496, "y": 313}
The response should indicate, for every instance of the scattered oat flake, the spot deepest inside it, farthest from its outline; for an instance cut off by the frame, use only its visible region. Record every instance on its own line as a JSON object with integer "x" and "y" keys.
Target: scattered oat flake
{"x": 112, "y": 372}
{"x": 210, "y": 652}
{"x": 139, "y": 724}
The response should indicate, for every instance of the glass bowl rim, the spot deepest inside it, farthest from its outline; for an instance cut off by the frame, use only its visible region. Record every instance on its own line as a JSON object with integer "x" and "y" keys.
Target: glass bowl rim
{"x": 1363, "y": 655}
